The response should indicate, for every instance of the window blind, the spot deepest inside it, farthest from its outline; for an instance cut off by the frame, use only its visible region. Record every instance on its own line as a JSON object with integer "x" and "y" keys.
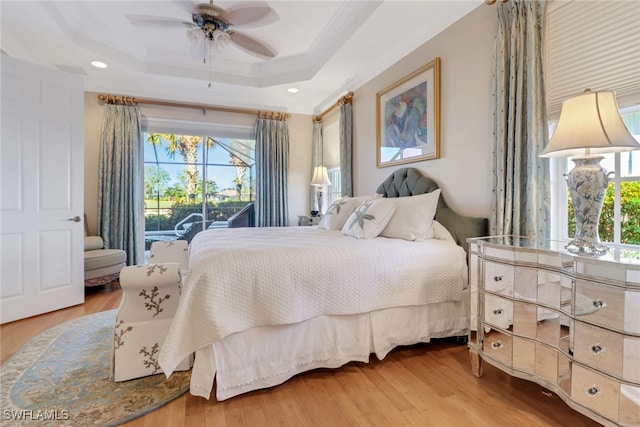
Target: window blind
{"x": 595, "y": 45}
{"x": 331, "y": 139}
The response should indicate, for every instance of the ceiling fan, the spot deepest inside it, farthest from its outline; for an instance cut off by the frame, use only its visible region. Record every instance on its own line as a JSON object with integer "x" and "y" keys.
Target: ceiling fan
{"x": 213, "y": 23}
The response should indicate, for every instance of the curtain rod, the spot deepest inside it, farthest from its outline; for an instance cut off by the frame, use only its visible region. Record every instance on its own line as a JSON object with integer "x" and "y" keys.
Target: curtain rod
{"x": 490, "y": 2}
{"x": 128, "y": 100}
{"x": 347, "y": 99}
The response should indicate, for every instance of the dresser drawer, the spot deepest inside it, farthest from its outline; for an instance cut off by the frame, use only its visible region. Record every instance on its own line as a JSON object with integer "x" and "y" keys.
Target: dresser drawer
{"x": 611, "y": 352}
{"x": 498, "y": 277}
{"x": 498, "y": 346}
{"x": 600, "y": 304}
{"x": 598, "y": 347}
{"x": 595, "y": 391}
{"x": 498, "y": 311}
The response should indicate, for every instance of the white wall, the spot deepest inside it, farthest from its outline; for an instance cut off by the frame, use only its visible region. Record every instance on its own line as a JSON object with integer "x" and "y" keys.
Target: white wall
{"x": 92, "y": 132}
{"x": 463, "y": 169}
{"x": 300, "y": 128}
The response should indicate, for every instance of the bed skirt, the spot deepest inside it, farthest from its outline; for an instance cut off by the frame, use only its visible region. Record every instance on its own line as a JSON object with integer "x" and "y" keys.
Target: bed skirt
{"x": 266, "y": 356}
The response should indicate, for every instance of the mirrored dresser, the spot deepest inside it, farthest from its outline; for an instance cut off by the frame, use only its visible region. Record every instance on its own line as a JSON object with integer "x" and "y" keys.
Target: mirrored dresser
{"x": 569, "y": 323}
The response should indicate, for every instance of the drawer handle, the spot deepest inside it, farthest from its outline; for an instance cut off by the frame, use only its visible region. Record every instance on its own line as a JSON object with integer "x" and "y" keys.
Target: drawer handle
{"x": 496, "y": 345}
{"x": 497, "y": 312}
{"x": 497, "y": 279}
{"x": 593, "y": 390}
{"x": 596, "y": 349}
{"x": 599, "y": 303}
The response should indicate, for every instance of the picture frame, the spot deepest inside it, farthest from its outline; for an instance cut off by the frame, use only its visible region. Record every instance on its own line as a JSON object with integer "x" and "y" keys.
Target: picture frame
{"x": 408, "y": 118}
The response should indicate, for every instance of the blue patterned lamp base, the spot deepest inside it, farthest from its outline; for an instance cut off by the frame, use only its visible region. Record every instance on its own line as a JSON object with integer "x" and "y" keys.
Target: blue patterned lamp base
{"x": 587, "y": 182}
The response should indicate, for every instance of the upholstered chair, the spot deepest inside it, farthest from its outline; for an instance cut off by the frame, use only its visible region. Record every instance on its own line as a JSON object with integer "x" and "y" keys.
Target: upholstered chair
{"x": 170, "y": 251}
{"x": 101, "y": 265}
{"x": 150, "y": 295}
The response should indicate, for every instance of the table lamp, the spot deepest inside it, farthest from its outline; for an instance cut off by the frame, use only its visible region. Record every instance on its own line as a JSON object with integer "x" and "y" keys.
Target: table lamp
{"x": 320, "y": 180}
{"x": 589, "y": 125}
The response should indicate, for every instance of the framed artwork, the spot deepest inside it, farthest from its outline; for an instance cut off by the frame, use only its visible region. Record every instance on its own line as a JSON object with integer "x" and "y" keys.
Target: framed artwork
{"x": 408, "y": 118}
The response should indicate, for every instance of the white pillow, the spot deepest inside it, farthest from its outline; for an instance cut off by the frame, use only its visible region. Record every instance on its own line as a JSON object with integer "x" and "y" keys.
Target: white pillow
{"x": 441, "y": 233}
{"x": 413, "y": 217}
{"x": 361, "y": 199}
{"x": 337, "y": 214}
{"x": 369, "y": 219}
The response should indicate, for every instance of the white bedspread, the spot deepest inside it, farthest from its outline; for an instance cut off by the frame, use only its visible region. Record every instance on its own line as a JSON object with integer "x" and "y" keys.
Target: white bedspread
{"x": 246, "y": 277}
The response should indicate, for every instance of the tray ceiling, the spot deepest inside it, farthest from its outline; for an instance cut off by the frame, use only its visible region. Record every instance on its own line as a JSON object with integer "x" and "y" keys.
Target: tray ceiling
{"x": 324, "y": 48}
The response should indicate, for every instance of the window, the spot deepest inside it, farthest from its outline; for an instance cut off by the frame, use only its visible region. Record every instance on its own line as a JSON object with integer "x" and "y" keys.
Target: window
{"x": 335, "y": 190}
{"x": 192, "y": 182}
{"x": 331, "y": 154}
{"x": 580, "y": 38}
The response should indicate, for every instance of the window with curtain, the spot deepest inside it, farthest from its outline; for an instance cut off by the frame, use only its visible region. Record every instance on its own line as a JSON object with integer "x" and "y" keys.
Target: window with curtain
{"x": 331, "y": 154}
{"x": 335, "y": 191}
{"x": 581, "y": 36}
{"x": 193, "y": 182}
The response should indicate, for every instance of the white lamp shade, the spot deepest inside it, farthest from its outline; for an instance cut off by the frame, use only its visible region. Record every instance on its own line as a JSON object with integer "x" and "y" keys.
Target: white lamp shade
{"x": 590, "y": 121}
{"x": 320, "y": 177}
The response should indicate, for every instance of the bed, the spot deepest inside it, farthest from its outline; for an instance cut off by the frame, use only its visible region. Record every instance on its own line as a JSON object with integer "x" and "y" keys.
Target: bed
{"x": 260, "y": 305}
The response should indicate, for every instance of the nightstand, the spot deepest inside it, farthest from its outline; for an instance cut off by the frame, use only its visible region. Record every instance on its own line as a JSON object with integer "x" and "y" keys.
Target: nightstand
{"x": 305, "y": 220}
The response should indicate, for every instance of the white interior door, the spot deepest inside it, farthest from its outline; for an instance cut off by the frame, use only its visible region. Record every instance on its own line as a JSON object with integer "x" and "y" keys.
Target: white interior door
{"x": 42, "y": 170}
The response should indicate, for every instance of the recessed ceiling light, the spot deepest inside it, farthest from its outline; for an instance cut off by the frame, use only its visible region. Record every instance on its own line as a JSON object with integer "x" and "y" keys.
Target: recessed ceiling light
{"x": 292, "y": 90}
{"x": 98, "y": 64}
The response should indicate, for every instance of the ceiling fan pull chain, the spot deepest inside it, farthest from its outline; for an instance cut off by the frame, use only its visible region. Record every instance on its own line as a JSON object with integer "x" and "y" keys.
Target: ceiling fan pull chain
{"x": 210, "y": 65}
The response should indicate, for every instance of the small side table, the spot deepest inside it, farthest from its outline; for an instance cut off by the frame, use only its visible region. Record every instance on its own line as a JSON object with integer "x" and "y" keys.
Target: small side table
{"x": 306, "y": 220}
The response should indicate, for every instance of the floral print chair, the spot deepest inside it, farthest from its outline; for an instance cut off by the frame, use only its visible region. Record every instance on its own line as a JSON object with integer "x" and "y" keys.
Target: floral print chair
{"x": 171, "y": 251}
{"x": 150, "y": 295}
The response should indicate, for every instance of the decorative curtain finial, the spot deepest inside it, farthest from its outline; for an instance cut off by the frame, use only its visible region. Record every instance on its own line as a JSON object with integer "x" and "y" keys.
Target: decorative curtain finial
{"x": 115, "y": 100}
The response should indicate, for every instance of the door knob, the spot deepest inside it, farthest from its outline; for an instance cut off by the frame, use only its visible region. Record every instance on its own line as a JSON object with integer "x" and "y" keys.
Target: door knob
{"x": 75, "y": 219}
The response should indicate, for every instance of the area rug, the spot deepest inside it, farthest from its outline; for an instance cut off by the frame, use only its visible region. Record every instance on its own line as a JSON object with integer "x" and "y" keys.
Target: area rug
{"x": 62, "y": 377}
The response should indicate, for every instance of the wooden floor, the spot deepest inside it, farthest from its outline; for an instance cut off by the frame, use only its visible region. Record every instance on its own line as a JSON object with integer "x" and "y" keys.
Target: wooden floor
{"x": 423, "y": 385}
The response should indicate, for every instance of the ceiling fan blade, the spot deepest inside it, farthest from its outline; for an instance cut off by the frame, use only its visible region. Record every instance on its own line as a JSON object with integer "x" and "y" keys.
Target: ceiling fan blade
{"x": 157, "y": 21}
{"x": 187, "y": 6}
{"x": 251, "y": 15}
{"x": 251, "y": 45}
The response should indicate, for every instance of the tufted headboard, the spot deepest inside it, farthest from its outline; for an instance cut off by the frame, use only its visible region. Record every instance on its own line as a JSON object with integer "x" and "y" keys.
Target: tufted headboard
{"x": 411, "y": 181}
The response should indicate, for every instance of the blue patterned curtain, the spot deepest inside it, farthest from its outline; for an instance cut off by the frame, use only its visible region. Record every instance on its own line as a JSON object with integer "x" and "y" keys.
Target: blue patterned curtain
{"x": 346, "y": 144}
{"x": 272, "y": 170}
{"x": 118, "y": 186}
{"x": 520, "y": 204}
{"x": 316, "y": 160}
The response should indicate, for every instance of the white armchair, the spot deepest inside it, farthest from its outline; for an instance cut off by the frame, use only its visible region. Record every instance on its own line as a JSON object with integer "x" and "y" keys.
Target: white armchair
{"x": 150, "y": 295}
{"x": 170, "y": 251}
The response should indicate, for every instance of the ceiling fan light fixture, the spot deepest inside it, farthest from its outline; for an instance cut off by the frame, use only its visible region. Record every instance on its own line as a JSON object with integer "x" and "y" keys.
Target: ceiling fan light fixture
{"x": 195, "y": 35}
{"x": 220, "y": 38}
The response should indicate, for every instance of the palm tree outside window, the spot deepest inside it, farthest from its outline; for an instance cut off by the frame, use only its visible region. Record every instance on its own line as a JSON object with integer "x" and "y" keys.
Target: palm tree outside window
{"x": 194, "y": 182}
